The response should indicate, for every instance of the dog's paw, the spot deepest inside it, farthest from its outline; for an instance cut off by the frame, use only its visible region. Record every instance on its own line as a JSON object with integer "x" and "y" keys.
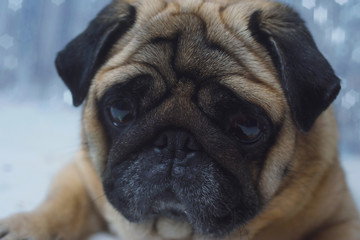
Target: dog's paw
{"x": 23, "y": 227}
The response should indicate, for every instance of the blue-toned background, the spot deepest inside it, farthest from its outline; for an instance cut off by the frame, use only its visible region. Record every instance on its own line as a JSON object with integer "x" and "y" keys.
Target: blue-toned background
{"x": 39, "y": 129}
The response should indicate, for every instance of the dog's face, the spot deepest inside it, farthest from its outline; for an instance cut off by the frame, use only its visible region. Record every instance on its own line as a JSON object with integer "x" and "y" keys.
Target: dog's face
{"x": 193, "y": 107}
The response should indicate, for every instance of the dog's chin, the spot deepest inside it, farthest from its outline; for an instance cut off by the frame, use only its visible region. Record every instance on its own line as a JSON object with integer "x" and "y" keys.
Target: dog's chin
{"x": 213, "y": 221}
{"x": 164, "y": 205}
{"x": 210, "y": 224}
{"x": 167, "y": 205}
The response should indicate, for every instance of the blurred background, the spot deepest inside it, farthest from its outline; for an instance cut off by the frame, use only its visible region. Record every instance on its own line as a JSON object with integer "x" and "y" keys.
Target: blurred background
{"x": 39, "y": 128}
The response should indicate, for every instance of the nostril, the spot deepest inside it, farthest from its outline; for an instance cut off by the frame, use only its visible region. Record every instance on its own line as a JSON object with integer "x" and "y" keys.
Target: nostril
{"x": 176, "y": 140}
{"x": 180, "y": 154}
{"x": 161, "y": 141}
{"x": 193, "y": 145}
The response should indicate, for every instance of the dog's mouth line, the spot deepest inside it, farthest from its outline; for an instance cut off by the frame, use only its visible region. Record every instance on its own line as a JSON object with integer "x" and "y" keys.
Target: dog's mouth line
{"x": 167, "y": 204}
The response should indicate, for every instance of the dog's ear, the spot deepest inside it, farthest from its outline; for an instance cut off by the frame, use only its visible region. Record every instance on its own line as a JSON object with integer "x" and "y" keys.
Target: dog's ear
{"x": 79, "y": 61}
{"x": 307, "y": 78}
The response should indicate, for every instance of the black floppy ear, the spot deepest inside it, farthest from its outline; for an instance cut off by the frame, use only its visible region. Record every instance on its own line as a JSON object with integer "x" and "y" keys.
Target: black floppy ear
{"x": 307, "y": 78}
{"x": 79, "y": 61}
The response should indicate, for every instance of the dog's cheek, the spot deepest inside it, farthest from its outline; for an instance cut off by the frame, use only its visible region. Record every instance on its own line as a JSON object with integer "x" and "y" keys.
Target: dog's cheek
{"x": 121, "y": 190}
{"x": 278, "y": 164}
{"x": 219, "y": 198}
{"x": 94, "y": 137}
{"x": 127, "y": 186}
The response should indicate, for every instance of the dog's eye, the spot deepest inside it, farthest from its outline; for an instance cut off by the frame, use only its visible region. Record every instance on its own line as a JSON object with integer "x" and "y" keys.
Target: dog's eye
{"x": 121, "y": 112}
{"x": 247, "y": 129}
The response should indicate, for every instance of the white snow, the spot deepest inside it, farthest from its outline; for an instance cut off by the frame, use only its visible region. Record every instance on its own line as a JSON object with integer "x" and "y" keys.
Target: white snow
{"x": 351, "y": 165}
{"x": 37, "y": 140}
{"x": 341, "y": 2}
{"x": 58, "y": 2}
{"x": 338, "y": 35}
{"x": 15, "y": 5}
{"x": 309, "y": 4}
{"x": 356, "y": 52}
{"x": 6, "y": 41}
{"x": 350, "y": 99}
{"x": 320, "y": 15}
{"x": 11, "y": 62}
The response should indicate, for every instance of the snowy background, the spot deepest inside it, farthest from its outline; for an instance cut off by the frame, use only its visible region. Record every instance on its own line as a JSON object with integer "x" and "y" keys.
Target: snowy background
{"x": 39, "y": 129}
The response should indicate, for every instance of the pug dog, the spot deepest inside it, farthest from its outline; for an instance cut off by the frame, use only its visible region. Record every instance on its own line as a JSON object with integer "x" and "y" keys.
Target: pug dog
{"x": 202, "y": 119}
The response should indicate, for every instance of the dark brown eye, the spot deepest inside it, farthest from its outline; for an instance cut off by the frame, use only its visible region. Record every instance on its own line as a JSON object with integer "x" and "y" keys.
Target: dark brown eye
{"x": 121, "y": 112}
{"x": 247, "y": 129}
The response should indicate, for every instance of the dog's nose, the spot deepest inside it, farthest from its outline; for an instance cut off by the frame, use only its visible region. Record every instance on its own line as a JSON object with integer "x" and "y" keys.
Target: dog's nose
{"x": 176, "y": 144}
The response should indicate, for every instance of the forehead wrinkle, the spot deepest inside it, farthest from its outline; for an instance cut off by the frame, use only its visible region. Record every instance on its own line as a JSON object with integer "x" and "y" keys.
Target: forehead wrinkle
{"x": 198, "y": 54}
{"x": 108, "y": 78}
{"x": 162, "y": 24}
{"x": 235, "y": 21}
{"x": 171, "y": 17}
{"x": 194, "y": 49}
{"x": 149, "y": 16}
{"x": 258, "y": 94}
{"x": 151, "y": 22}
{"x": 157, "y": 55}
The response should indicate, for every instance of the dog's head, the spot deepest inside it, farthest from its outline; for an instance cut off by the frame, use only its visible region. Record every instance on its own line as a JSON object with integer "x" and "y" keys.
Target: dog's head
{"x": 193, "y": 107}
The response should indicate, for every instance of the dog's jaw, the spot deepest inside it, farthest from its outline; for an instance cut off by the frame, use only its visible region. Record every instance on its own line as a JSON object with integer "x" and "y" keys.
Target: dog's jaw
{"x": 170, "y": 229}
{"x": 162, "y": 228}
